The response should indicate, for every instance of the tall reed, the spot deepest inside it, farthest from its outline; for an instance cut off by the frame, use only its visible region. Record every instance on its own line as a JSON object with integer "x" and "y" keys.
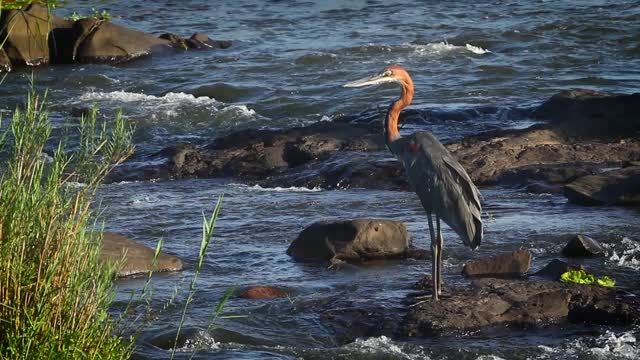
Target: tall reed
{"x": 54, "y": 292}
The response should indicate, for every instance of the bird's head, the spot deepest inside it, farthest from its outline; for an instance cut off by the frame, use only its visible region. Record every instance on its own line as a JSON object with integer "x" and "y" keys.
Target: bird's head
{"x": 393, "y": 73}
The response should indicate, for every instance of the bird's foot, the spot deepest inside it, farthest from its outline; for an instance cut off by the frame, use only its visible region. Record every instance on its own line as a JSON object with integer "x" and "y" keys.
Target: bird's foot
{"x": 335, "y": 264}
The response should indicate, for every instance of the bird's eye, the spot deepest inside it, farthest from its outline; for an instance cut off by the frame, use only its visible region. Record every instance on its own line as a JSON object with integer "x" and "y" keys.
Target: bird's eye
{"x": 387, "y": 73}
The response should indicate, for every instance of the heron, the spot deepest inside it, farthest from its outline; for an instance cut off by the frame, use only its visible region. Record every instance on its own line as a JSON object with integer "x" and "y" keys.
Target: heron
{"x": 442, "y": 184}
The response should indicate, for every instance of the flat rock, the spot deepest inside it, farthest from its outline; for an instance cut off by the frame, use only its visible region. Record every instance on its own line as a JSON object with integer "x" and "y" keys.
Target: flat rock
{"x": 554, "y": 269}
{"x": 350, "y": 240}
{"x": 138, "y": 258}
{"x": 583, "y": 246}
{"x": 490, "y": 302}
{"x": 339, "y": 154}
{"x": 616, "y": 187}
{"x": 515, "y": 264}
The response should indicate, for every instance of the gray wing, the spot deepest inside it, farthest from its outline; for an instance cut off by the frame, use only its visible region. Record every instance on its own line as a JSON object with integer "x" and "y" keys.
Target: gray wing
{"x": 442, "y": 184}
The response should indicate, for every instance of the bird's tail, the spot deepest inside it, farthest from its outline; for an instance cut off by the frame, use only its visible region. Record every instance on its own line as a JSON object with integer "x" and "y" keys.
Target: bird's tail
{"x": 477, "y": 237}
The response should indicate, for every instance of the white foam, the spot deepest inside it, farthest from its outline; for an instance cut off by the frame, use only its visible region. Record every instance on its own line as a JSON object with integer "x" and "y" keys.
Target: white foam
{"x": 125, "y": 96}
{"x": 201, "y": 341}
{"x": 619, "y": 346}
{"x": 170, "y": 104}
{"x": 443, "y": 47}
{"x": 383, "y": 345}
{"x": 626, "y": 253}
{"x": 278, "y": 189}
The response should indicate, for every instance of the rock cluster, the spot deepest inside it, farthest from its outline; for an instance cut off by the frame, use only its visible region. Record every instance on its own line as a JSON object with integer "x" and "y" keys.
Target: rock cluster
{"x": 36, "y": 37}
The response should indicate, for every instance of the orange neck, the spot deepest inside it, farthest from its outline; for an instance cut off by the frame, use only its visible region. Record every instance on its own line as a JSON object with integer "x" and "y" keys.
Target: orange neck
{"x": 391, "y": 121}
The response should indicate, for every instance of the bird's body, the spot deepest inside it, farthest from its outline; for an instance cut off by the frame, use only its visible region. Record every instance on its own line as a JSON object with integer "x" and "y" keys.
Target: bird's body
{"x": 441, "y": 183}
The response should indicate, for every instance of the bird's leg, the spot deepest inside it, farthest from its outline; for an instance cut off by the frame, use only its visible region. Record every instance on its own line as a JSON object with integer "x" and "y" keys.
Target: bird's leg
{"x": 439, "y": 245}
{"x": 434, "y": 258}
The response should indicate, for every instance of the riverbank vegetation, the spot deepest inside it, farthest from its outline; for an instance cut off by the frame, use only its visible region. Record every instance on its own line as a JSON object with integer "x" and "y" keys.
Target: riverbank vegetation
{"x": 54, "y": 292}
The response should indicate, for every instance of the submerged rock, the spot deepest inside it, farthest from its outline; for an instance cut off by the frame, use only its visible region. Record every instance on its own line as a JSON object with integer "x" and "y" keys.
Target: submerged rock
{"x": 262, "y": 292}
{"x": 350, "y": 240}
{"x": 616, "y": 187}
{"x": 134, "y": 258}
{"x": 518, "y": 303}
{"x": 514, "y": 264}
{"x": 583, "y": 246}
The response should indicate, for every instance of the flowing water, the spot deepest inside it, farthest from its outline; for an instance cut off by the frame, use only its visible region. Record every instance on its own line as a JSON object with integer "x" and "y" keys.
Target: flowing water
{"x": 476, "y": 65}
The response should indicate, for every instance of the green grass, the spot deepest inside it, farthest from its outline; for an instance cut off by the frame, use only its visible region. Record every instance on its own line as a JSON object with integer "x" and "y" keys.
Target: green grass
{"x": 20, "y": 4}
{"x": 54, "y": 293}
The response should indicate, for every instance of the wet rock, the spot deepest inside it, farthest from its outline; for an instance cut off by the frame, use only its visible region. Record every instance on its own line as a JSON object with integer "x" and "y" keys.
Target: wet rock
{"x": 554, "y": 269}
{"x": 262, "y": 292}
{"x": 340, "y": 154}
{"x": 591, "y": 113}
{"x": 31, "y": 34}
{"x": 137, "y": 257}
{"x": 350, "y": 240}
{"x": 102, "y": 41}
{"x": 616, "y": 187}
{"x": 514, "y": 264}
{"x": 349, "y": 321}
{"x": 200, "y": 40}
{"x": 583, "y": 246}
{"x": 518, "y": 303}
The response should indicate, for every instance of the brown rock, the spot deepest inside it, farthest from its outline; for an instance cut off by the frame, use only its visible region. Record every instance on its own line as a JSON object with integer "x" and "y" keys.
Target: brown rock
{"x": 132, "y": 258}
{"x": 262, "y": 292}
{"x": 616, "y": 187}
{"x": 583, "y": 246}
{"x": 31, "y": 36}
{"x": 350, "y": 240}
{"x": 102, "y": 41}
{"x": 513, "y": 264}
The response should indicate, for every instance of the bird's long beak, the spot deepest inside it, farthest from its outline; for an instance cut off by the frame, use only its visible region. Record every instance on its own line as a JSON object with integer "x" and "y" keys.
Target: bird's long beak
{"x": 371, "y": 80}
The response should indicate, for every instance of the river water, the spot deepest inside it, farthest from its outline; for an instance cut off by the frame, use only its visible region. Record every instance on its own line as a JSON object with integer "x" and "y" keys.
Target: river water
{"x": 476, "y": 65}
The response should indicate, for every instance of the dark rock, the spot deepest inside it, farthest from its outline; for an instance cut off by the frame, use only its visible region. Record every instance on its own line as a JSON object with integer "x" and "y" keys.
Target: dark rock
{"x": 263, "y": 292}
{"x": 31, "y": 31}
{"x": 132, "y": 258}
{"x": 583, "y": 246}
{"x": 591, "y": 113}
{"x": 339, "y": 154}
{"x": 80, "y": 111}
{"x": 176, "y": 41}
{"x": 518, "y": 303}
{"x": 103, "y": 41}
{"x": 555, "y": 269}
{"x": 200, "y": 40}
{"x": 350, "y": 240}
{"x": 616, "y": 187}
{"x": 504, "y": 265}
{"x": 349, "y": 321}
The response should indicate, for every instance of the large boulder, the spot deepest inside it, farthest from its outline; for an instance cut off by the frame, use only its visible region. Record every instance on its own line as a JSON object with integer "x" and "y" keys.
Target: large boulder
{"x": 616, "y": 187}
{"x": 102, "y": 41}
{"x": 133, "y": 258}
{"x": 583, "y": 246}
{"x": 351, "y": 240}
{"x": 29, "y": 35}
{"x": 590, "y": 113}
{"x": 513, "y": 264}
{"x": 490, "y": 302}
